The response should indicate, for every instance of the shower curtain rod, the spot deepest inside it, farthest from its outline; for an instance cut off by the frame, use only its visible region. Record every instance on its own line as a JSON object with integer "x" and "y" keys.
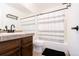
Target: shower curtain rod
{"x": 68, "y": 5}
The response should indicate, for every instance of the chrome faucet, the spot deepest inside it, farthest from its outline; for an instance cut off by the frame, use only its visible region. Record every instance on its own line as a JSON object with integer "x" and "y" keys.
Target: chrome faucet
{"x": 12, "y": 27}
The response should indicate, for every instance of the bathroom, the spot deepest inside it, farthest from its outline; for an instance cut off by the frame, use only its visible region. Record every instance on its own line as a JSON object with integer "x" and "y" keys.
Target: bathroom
{"x": 39, "y": 29}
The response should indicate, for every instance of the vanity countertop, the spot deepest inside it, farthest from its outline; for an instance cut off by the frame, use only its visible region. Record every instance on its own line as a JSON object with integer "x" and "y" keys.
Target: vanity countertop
{"x": 10, "y": 36}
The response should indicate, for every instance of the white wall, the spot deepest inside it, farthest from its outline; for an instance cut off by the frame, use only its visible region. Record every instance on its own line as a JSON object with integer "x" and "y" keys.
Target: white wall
{"x": 73, "y": 35}
{"x": 6, "y": 9}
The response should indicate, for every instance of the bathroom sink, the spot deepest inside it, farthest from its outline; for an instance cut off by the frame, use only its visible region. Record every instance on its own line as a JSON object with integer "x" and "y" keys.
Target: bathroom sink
{"x": 8, "y": 36}
{"x": 14, "y": 35}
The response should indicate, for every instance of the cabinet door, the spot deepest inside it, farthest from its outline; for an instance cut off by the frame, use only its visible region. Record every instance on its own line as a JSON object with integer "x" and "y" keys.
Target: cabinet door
{"x": 13, "y": 52}
{"x": 27, "y": 46}
{"x": 27, "y": 50}
{"x": 10, "y": 48}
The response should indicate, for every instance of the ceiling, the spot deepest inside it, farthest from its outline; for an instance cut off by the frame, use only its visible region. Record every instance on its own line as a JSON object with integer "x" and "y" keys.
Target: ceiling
{"x": 38, "y": 7}
{"x": 30, "y": 8}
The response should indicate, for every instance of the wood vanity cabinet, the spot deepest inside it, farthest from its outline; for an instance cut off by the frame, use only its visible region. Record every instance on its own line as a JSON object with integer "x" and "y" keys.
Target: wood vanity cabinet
{"x": 16, "y": 47}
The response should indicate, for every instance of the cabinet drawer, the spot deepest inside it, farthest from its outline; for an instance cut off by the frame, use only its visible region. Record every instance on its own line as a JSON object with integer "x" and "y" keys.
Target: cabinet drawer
{"x": 26, "y": 40}
{"x": 8, "y": 45}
